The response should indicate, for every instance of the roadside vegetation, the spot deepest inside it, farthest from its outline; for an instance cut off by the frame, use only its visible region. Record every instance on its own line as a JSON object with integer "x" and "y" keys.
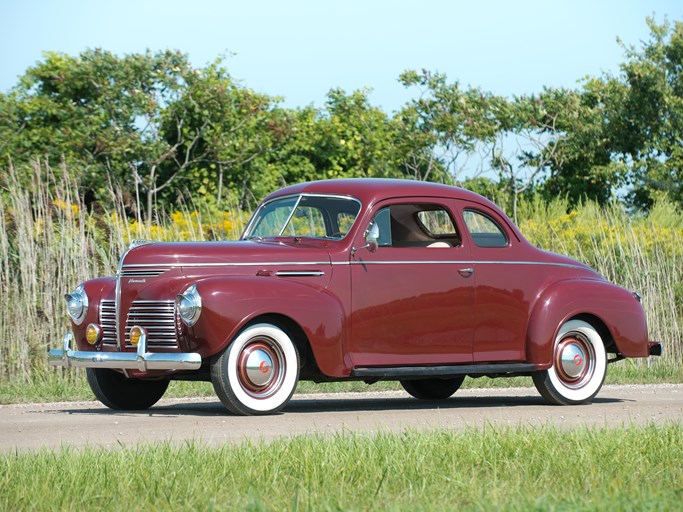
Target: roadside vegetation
{"x": 626, "y": 468}
{"x": 50, "y": 241}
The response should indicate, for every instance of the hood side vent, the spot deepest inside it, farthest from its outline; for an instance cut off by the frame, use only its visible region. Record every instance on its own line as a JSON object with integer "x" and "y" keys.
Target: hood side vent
{"x": 138, "y": 271}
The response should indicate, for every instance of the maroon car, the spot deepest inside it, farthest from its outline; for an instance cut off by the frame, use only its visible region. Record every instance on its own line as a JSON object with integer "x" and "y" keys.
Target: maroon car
{"x": 351, "y": 280}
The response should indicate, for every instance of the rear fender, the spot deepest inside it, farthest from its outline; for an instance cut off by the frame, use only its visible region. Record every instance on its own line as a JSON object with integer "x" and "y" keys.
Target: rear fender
{"x": 617, "y": 308}
{"x": 229, "y": 303}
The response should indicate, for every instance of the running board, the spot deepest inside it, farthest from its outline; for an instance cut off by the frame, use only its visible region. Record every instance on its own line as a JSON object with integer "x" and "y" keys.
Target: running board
{"x": 400, "y": 372}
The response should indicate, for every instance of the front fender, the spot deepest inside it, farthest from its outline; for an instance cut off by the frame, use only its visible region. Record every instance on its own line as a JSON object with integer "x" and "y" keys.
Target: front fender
{"x": 229, "y": 303}
{"x": 96, "y": 290}
{"x": 615, "y": 307}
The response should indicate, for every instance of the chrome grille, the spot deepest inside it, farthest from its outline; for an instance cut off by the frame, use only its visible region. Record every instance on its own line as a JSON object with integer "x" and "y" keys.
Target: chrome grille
{"x": 157, "y": 316}
{"x": 108, "y": 322}
{"x": 133, "y": 271}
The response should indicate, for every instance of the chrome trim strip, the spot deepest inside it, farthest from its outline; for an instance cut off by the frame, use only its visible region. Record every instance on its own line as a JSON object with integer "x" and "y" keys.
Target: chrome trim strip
{"x": 403, "y": 262}
{"x": 167, "y": 302}
{"x": 463, "y": 262}
{"x": 142, "y": 272}
{"x": 301, "y": 273}
{"x": 117, "y": 301}
{"x": 139, "y": 360}
{"x": 117, "y": 304}
{"x": 409, "y": 262}
{"x": 541, "y": 263}
{"x": 441, "y": 371}
{"x": 241, "y": 264}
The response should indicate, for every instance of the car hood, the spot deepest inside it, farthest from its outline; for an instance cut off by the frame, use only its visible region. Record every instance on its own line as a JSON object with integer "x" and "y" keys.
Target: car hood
{"x": 209, "y": 253}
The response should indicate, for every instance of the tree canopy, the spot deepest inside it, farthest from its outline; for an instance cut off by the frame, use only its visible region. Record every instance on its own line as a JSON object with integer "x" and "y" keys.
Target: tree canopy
{"x": 160, "y": 129}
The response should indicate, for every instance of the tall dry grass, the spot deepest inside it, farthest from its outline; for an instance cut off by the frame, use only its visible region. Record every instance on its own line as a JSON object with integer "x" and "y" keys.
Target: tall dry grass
{"x": 643, "y": 253}
{"x": 49, "y": 242}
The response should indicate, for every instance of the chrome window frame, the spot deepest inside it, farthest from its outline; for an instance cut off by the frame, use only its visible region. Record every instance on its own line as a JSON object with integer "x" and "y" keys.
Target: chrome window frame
{"x": 490, "y": 218}
{"x": 299, "y": 197}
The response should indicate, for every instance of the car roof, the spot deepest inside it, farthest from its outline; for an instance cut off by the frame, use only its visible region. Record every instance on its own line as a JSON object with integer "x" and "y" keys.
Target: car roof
{"x": 370, "y": 190}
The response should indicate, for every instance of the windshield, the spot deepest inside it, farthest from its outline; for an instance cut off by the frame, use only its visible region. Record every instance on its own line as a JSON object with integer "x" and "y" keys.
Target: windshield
{"x": 304, "y": 216}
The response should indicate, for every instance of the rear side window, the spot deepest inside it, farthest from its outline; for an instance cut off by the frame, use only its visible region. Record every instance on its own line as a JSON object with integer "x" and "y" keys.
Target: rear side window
{"x": 484, "y": 230}
{"x": 436, "y": 223}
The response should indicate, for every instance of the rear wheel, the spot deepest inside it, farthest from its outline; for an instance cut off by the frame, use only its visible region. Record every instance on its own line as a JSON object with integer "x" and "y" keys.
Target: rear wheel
{"x": 579, "y": 365}
{"x": 116, "y": 391}
{"x": 258, "y": 372}
{"x": 432, "y": 389}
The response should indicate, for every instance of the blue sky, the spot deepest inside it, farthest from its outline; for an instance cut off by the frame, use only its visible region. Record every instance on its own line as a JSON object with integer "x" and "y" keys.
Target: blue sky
{"x": 301, "y": 49}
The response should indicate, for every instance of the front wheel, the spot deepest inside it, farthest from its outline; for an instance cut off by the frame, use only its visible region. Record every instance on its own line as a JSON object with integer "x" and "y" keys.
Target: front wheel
{"x": 116, "y": 391}
{"x": 578, "y": 367}
{"x": 258, "y": 372}
{"x": 432, "y": 389}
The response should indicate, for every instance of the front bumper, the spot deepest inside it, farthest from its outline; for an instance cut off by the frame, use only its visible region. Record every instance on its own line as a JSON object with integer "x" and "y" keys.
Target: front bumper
{"x": 140, "y": 360}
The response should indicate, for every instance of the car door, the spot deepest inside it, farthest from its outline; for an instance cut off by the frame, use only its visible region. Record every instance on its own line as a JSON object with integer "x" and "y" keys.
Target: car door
{"x": 413, "y": 294}
{"x": 505, "y": 280}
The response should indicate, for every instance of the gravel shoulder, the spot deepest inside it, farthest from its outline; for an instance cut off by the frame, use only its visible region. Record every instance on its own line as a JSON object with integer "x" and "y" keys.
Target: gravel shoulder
{"x": 79, "y": 424}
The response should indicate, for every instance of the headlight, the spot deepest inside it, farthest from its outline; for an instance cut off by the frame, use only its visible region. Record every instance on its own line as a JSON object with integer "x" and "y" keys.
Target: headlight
{"x": 77, "y": 304}
{"x": 189, "y": 306}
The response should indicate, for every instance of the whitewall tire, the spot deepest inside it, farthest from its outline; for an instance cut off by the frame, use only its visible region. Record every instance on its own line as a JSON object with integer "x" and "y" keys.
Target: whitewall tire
{"x": 257, "y": 372}
{"x": 579, "y": 365}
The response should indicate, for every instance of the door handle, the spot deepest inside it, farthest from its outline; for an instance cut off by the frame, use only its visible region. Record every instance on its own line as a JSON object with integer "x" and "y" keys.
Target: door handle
{"x": 466, "y": 272}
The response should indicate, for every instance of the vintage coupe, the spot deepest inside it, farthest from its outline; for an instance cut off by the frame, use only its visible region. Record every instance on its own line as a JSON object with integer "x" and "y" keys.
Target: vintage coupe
{"x": 362, "y": 279}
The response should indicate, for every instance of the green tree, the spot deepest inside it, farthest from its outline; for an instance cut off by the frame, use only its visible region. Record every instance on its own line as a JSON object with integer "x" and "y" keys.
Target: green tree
{"x": 223, "y": 129}
{"x": 552, "y": 142}
{"x": 348, "y": 137}
{"x": 97, "y": 112}
{"x": 451, "y": 130}
{"x": 643, "y": 107}
{"x": 561, "y": 148}
{"x": 148, "y": 122}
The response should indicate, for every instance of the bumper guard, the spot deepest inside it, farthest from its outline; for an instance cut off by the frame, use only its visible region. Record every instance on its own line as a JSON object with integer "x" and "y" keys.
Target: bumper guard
{"x": 140, "y": 360}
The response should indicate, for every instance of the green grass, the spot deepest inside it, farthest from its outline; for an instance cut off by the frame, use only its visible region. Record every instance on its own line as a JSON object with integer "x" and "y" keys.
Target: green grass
{"x": 71, "y": 386}
{"x": 628, "y": 468}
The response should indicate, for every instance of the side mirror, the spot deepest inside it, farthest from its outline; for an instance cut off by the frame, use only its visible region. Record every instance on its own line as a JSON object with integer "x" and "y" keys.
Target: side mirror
{"x": 371, "y": 237}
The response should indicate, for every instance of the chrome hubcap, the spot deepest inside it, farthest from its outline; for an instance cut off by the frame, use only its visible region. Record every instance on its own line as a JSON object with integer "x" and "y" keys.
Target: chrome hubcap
{"x": 574, "y": 360}
{"x": 260, "y": 368}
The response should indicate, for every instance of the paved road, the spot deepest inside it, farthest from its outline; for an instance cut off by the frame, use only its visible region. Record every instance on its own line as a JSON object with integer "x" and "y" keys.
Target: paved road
{"x": 35, "y": 426}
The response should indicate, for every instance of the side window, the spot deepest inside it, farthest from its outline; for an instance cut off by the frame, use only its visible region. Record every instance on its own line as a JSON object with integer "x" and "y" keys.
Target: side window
{"x": 436, "y": 223}
{"x": 383, "y": 221}
{"x": 344, "y": 222}
{"x": 416, "y": 225}
{"x": 484, "y": 230}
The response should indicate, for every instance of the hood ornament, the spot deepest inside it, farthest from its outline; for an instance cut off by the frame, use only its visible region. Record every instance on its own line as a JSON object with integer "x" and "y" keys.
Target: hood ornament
{"x": 137, "y": 242}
